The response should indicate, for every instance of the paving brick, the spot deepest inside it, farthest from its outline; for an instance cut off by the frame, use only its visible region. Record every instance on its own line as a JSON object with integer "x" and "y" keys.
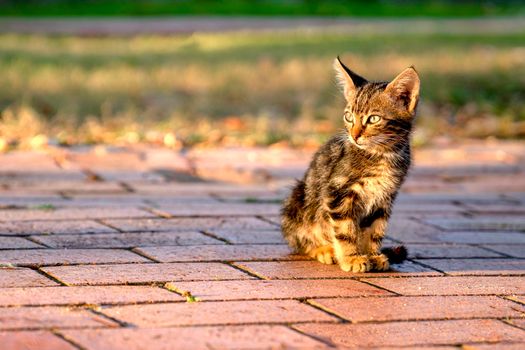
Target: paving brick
{"x": 429, "y": 185}
{"x": 516, "y": 298}
{"x": 473, "y": 237}
{"x": 423, "y": 215}
{"x": 72, "y": 214}
{"x": 221, "y": 253}
{"x": 219, "y": 209}
{"x": 496, "y": 209}
{"x": 70, "y": 186}
{"x": 274, "y": 220}
{"x": 50, "y": 317}
{"x": 29, "y": 161}
{"x": 498, "y": 184}
{"x": 126, "y": 199}
{"x": 185, "y": 224}
{"x": 20, "y": 277}
{"x": 126, "y": 240}
{"x": 32, "y": 257}
{"x": 420, "y": 308}
{"x": 165, "y": 159}
{"x": 104, "y": 158}
{"x": 478, "y": 266}
{"x": 48, "y": 227}
{"x": 426, "y": 207}
{"x": 448, "y": 251}
{"x": 467, "y": 285}
{"x": 518, "y": 322}
{"x": 514, "y": 250}
{"x": 485, "y": 223}
{"x": 85, "y": 295}
{"x": 252, "y": 197}
{"x": 217, "y": 313}
{"x": 221, "y": 337}
{"x": 17, "y": 199}
{"x": 33, "y": 340}
{"x": 407, "y": 230}
{"x": 397, "y": 334}
{"x": 314, "y": 269}
{"x": 143, "y": 273}
{"x": 242, "y": 236}
{"x": 448, "y": 198}
{"x": 430, "y": 220}
{"x": 16, "y": 243}
{"x": 285, "y": 289}
{"x": 195, "y": 188}
{"x": 499, "y": 346}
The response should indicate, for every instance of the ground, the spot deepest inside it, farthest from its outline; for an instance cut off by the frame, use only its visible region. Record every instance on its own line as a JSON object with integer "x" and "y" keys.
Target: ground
{"x": 148, "y": 248}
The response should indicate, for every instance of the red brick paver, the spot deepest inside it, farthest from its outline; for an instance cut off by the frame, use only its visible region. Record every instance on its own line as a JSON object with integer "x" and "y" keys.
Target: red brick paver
{"x": 221, "y": 253}
{"x": 218, "y": 313}
{"x": 256, "y": 289}
{"x": 50, "y": 317}
{"x": 143, "y": 273}
{"x": 34, "y": 257}
{"x": 220, "y": 337}
{"x": 471, "y": 285}
{"x": 71, "y": 214}
{"x": 420, "y": 308}
{"x": 20, "y": 277}
{"x": 166, "y": 256}
{"x": 17, "y": 243}
{"x": 48, "y": 227}
{"x": 85, "y": 295}
{"x": 125, "y": 240}
{"x": 312, "y": 269}
{"x": 512, "y": 250}
{"x": 426, "y": 251}
{"x": 395, "y": 334}
{"x": 186, "y": 223}
{"x": 29, "y": 340}
{"x": 478, "y": 266}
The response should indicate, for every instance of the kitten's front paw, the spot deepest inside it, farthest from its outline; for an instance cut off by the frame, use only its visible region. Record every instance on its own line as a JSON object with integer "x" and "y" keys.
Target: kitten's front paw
{"x": 380, "y": 262}
{"x": 324, "y": 254}
{"x": 355, "y": 263}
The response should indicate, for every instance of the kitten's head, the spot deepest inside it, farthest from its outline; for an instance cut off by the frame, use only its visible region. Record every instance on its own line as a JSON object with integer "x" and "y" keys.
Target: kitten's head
{"x": 378, "y": 115}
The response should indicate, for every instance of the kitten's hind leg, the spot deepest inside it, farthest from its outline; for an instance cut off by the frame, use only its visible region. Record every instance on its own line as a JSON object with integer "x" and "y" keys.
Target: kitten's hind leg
{"x": 324, "y": 254}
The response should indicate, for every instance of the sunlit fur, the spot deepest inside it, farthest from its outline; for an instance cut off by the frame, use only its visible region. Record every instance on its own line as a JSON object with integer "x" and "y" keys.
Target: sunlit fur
{"x": 338, "y": 212}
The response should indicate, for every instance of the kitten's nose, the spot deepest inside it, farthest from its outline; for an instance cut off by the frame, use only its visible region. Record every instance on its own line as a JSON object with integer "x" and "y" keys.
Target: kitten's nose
{"x": 356, "y": 134}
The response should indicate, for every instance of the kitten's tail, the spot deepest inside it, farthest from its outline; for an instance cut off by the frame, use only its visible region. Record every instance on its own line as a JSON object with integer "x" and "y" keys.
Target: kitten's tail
{"x": 395, "y": 255}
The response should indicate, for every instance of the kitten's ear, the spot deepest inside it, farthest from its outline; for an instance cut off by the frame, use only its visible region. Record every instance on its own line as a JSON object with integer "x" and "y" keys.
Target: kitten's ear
{"x": 405, "y": 89}
{"x": 348, "y": 80}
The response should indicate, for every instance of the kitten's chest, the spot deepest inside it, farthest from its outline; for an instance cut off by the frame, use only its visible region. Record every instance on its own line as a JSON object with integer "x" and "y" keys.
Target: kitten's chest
{"x": 377, "y": 185}
{"x": 377, "y": 188}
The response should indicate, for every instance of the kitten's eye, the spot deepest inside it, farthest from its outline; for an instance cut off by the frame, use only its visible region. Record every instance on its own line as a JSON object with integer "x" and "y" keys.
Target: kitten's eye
{"x": 373, "y": 119}
{"x": 349, "y": 118}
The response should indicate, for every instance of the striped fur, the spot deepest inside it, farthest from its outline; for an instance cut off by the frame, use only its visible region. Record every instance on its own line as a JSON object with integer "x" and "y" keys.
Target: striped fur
{"x": 339, "y": 211}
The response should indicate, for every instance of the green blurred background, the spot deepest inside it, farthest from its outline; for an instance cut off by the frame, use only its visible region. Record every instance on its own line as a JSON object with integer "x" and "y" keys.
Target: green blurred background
{"x": 255, "y": 87}
{"x": 369, "y": 8}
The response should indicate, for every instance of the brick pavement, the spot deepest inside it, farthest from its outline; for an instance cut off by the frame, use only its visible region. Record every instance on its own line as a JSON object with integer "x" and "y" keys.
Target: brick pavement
{"x": 144, "y": 248}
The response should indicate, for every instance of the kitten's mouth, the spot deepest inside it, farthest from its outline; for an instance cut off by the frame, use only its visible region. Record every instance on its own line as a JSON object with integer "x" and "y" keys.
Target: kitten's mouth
{"x": 356, "y": 143}
{"x": 366, "y": 145}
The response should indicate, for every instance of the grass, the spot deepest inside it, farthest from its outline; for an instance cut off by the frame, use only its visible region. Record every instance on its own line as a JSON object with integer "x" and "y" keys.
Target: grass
{"x": 246, "y": 88}
{"x": 44, "y": 207}
{"x": 374, "y": 8}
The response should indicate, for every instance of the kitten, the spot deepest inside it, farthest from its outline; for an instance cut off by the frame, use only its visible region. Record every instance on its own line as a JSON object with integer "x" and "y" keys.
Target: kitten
{"x": 339, "y": 211}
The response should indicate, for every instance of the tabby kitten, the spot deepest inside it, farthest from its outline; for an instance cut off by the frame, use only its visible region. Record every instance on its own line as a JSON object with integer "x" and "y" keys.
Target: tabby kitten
{"x": 339, "y": 211}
